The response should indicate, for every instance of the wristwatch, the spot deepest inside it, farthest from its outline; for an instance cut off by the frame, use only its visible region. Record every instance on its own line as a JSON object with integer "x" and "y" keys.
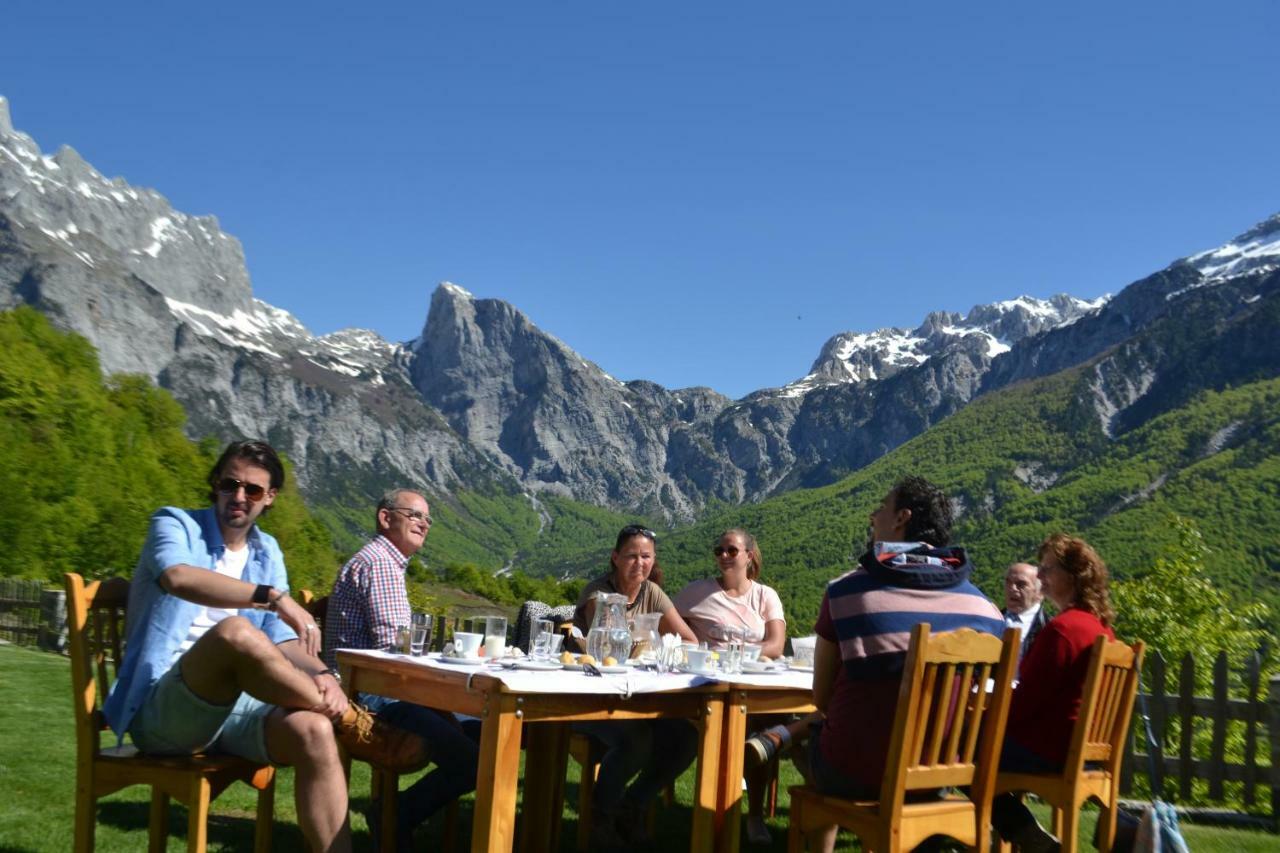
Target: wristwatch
{"x": 262, "y": 597}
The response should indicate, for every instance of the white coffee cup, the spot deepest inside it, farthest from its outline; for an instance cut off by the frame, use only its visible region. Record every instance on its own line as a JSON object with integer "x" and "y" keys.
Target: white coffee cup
{"x": 751, "y": 651}
{"x": 466, "y": 644}
{"x": 699, "y": 659}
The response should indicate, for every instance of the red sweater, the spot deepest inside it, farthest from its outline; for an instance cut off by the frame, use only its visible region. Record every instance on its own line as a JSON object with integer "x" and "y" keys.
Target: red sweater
{"x": 1046, "y": 703}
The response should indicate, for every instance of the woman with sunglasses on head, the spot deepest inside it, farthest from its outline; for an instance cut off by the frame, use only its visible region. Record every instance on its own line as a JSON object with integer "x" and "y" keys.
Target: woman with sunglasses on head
{"x": 735, "y": 603}
{"x": 1046, "y": 703}
{"x": 655, "y": 752}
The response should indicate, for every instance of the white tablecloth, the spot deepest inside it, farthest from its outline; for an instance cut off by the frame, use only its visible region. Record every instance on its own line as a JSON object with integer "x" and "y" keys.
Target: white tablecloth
{"x": 621, "y": 684}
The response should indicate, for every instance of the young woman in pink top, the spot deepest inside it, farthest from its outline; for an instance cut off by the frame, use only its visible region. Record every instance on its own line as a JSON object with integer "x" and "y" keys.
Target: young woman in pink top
{"x": 734, "y": 603}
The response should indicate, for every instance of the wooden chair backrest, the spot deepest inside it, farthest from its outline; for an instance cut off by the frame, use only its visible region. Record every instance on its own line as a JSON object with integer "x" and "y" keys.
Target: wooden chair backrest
{"x": 317, "y": 607}
{"x": 95, "y": 637}
{"x": 949, "y": 726}
{"x": 1106, "y": 704}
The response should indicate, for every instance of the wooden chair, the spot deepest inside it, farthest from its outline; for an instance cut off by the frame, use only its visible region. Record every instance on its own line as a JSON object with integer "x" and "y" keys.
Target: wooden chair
{"x": 1092, "y": 770}
{"x": 947, "y": 733}
{"x": 381, "y": 779}
{"x": 95, "y": 625}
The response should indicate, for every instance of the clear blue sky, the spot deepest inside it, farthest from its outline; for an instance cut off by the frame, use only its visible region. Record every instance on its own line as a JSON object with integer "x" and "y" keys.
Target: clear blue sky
{"x": 694, "y": 193}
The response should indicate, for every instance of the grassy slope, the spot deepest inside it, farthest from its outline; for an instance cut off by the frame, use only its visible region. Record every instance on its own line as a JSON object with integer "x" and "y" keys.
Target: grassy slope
{"x": 37, "y": 781}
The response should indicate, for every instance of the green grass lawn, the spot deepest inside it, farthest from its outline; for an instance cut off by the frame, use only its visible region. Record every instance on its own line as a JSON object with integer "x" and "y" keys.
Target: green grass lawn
{"x": 37, "y": 786}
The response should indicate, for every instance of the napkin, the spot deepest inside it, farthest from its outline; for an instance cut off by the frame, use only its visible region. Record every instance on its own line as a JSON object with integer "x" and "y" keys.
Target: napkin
{"x": 670, "y": 651}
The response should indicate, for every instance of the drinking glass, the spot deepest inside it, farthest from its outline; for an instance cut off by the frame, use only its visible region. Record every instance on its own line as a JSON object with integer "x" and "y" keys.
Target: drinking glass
{"x": 419, "y": 633}
{"x": 731, "y": 655}
{"x": 543, "y": 631}
{"x": 403, "y": 638}
{"x": 495, "y": 636}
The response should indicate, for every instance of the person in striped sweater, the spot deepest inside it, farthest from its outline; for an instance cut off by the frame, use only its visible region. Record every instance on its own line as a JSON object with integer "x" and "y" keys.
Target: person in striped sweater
{"x": 909, "y": 574}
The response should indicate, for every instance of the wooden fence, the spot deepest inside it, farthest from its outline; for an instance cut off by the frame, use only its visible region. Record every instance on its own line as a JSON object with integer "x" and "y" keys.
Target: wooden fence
{"x": 30, "y": 614}
{"x": 1193, "y": 733}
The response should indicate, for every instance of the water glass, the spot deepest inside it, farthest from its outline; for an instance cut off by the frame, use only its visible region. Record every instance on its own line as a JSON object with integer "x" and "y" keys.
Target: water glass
{"x": 543, "y": 631}
{"x": 419, "y": 633}
{"x": 403, "y": 638}
{"x": 731, "y": 654}
{"x": 495, "y": 636}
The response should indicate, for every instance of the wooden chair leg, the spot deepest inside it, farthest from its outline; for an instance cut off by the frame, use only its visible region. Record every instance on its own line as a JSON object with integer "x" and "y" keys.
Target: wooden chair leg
{"x": 775, "y": 772}
{"x": 586, "y": 796}
{"x": 449, "y": 841}
{"x": 385, "y": 785}
{"x": 1070, "y": 828}
{"x": 86, "y": 817}
{"x": 158, "y": 821}
{"x": 795, "y": 833}
{"x": 266, "y": 818}
{"x": 198, "y": 815}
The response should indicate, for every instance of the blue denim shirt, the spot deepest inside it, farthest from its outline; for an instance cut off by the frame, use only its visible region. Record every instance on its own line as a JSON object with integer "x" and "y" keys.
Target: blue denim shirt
{"x": 158, "y": 622}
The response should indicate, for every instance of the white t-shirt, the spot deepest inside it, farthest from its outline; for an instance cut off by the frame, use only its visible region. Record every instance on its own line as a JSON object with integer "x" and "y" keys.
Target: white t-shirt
{"x": 231, "y": 564}
{"x": 709, "y": 610}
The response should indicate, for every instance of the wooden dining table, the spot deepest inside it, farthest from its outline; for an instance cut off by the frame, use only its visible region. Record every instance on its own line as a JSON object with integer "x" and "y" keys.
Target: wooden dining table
{"x": 535, "y": 708}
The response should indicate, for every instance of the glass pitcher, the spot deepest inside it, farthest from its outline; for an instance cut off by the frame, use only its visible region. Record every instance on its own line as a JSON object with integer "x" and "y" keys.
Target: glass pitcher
{"x": 644, "y": 636}
{"x": 609, "y": 628}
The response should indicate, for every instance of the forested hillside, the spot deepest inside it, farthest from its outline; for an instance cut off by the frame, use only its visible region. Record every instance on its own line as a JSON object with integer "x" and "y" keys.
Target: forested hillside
{"x": 1033, "y": 459}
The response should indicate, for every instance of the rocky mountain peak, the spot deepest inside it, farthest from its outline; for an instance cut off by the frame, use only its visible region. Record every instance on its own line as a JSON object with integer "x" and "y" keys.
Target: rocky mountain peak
{"x": 1256, "y": 250}
{"x": 6, "y": 123}
{"x": 101, "y": 221}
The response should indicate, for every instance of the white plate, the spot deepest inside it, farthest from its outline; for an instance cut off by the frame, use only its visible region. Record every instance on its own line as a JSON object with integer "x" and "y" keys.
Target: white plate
{"x": 540, "y": 665}
{"x": 463, "y": 661}
{"x": 753, "y": 668}
{"x": 799, "y": 667}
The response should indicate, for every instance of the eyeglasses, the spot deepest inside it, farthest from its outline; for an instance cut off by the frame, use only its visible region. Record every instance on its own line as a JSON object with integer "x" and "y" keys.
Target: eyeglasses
{"x": 721, "y": 550}
{"x": 636, "y": 530}
{"x": 230, "y": 485}
{"x": 414, "y": 514}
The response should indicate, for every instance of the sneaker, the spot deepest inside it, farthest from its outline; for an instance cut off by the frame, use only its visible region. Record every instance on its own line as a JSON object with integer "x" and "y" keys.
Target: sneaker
{"x": 762, "y": 748}
{"x": 367, "y": 738}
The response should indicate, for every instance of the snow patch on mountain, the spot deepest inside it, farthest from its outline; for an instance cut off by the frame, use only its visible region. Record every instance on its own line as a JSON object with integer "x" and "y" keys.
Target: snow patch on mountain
{"x": 1255, "y": 251}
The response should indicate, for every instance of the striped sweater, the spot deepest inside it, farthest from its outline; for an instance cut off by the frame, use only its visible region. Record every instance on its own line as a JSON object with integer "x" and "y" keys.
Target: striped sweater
{"x": 896, "y": 586}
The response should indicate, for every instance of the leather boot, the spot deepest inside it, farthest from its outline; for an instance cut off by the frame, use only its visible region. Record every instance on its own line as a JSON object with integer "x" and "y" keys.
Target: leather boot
{"x": 367, "y": 738}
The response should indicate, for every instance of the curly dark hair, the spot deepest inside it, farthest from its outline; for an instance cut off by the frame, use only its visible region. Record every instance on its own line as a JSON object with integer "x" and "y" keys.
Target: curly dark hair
{"x": 930, "y": 510}
{"x": 1088, "y": 573}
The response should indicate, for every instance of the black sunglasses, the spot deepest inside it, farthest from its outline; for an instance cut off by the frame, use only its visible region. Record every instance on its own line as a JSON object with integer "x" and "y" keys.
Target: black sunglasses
{"x": 721, "y": 550}
{"x": 230, "y": 485}
{"x": 636, "y": 530}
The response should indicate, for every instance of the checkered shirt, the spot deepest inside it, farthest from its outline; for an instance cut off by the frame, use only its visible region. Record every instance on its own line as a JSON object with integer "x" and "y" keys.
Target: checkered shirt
{"x": 368, "y": 600}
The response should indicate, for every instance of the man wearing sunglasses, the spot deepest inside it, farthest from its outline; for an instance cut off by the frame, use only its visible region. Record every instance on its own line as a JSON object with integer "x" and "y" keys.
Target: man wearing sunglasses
{"x": 368, "y": 603}
{"x": 219, "y": 658}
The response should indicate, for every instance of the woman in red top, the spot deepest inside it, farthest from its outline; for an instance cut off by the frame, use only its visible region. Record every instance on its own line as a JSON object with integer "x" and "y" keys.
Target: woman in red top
{"x": 1046, "y": 702}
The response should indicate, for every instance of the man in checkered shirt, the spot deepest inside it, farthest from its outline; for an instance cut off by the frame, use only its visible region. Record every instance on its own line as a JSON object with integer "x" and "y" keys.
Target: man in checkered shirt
{"x": 368, "y": 602}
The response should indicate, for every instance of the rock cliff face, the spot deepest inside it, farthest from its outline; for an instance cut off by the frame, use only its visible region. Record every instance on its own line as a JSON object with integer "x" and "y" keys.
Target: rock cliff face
{"x": 484, "y": 399}
{"x": 166, "y": 295}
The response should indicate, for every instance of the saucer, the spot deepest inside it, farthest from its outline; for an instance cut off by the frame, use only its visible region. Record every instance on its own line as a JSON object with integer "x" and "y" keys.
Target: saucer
{"x": 691, "y": 671}
{"x": 607, "y": 670}
{"x": 476, "y": 661}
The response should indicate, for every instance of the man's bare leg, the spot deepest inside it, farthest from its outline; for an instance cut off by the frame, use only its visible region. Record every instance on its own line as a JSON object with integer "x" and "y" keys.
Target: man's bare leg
{"x": 304, "y": 740}
{"x": 235, "y": 657}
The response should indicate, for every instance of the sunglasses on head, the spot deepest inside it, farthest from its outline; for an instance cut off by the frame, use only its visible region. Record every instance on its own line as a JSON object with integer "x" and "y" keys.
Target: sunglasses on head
{"x": 636, "y": 530}
{"x": 230, "y": 485}
{"x": 721, "y": 550}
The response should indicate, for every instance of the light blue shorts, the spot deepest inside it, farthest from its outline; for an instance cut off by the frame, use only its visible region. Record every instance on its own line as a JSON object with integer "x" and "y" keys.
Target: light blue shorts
{"x": 175, "y": 721}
